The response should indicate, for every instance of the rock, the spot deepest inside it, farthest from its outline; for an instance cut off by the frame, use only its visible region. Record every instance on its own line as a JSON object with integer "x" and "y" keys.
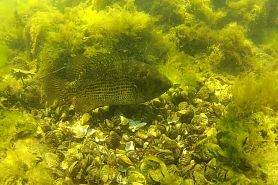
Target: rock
{"x": 85, "y": 118}
{"x": 129, "y": 146}
{"x": 200, "y": 119}
{"x": 124, "y": 160}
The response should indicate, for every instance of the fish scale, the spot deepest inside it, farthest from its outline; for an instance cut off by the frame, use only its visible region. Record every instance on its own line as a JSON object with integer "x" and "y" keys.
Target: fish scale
{"x": 104, "y": 79}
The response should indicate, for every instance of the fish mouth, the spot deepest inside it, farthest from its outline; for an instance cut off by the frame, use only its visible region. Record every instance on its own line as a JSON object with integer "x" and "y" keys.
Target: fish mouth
{"x": 168, "y": 84}
{"x": 165, "y": 85}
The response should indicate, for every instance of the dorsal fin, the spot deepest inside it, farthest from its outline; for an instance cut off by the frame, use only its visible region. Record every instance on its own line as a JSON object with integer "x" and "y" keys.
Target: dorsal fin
{"x": 94, "y": 66}
{"x": 51, "y": 73}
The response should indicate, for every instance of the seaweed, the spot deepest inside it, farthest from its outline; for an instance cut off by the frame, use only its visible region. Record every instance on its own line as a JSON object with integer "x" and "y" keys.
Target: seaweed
{"x": 226, "y": 49}
{"x": 22, "y": 155}
{"x": 193, "y": 39}
{"x": 253, "y": 93}
{"x": 206, "y": 12}
{"x": 247, "y": 130}
{"x": 247, "y": 143}
{"x": 127, "y": 32}
{"x": 15, "y": 125}
{"x": 25, "y": 164}
{"x": 216, "y": 125}
{"x": 36, "y": 29}
{"x": 236, "y": 49}
{"x": 4, "y": 51}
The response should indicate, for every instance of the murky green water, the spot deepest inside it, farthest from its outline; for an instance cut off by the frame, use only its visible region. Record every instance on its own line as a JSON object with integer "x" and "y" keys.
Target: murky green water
{"x": 61, "y": 59}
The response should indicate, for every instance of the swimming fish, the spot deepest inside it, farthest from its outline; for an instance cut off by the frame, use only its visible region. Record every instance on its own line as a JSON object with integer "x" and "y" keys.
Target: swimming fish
{"x": 88, "y": 83}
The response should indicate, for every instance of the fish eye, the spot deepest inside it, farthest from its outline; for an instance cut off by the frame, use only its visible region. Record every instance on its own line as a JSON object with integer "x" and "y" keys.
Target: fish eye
{"x": 143, "y": 75}
{"x": 135, "y": 86}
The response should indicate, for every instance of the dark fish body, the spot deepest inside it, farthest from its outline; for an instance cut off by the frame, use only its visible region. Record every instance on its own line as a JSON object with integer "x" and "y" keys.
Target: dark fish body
{"x": 89, "y": 83}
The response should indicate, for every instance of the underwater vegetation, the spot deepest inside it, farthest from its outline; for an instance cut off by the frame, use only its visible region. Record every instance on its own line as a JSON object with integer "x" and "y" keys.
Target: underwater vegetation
{"x": 23, "y": 159}
{"x": 216, "y": 124}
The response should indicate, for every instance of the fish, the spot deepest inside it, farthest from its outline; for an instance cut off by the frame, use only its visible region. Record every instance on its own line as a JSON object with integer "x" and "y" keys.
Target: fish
{"x": 102, "y": 80}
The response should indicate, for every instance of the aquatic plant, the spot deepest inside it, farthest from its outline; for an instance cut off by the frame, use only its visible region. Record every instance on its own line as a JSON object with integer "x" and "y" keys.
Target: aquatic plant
{"x": 247, "y": 131}
{"x": 84, "y": 29}
{"x": 205, "y": 11}
{"x": 247, "y": 143}
{"x": 246, "y": 11}
{"x": 254, "y": 93}
{"x": 235, "y": 47}
{"x": 199, "y": 132}
{"x": 227, "y": 49}
{"x": 193, "y": 38}
{"x": 23, "y": 159}
{"x": 175, "y": 11}
{"x": 26, "y": 163}
{"x": 180, "y": 70}
{"x": 15, "y": 125}
{"x": 257, "y": 17}
{"x": 4, "y": 51}
{"x": 36, "y": 29}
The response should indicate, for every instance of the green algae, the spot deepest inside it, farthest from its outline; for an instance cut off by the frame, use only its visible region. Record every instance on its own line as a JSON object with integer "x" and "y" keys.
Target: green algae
{"x": 205, "y": 47}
